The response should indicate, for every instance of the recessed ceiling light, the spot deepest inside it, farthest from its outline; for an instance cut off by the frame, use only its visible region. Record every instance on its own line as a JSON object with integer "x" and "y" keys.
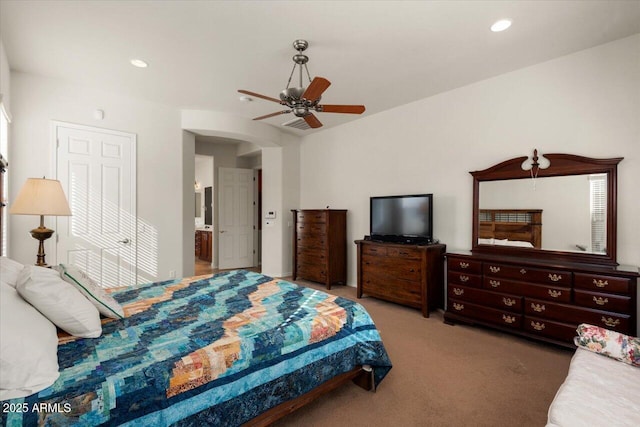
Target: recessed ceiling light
{"x": 139, "y": 63}
{"x": 501, "y": 25}
{"x": 245, "y": 99}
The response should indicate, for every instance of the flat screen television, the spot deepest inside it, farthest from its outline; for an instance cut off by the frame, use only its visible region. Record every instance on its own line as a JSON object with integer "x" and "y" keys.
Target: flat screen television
{"x": 402, "y": 219}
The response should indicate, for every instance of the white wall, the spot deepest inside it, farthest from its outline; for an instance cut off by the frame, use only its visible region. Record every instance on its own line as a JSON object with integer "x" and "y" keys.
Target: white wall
{"x": 36, "y": 101}
{"x": 586, "y": 103}
{"x": 5, "y": 79}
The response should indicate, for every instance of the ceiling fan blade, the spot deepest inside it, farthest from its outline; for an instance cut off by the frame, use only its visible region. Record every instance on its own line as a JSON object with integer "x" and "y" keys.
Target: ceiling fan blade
{"x": 317, "y": 86}
{"x": 349, "y": 109}
{"x": 257, "y": 95}
{"x": 312, "y": 121}
{"x": 272, "y": 114}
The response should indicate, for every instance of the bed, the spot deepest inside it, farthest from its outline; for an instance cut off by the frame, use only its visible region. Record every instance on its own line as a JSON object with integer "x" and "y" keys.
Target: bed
{"x": 511, "y": 227}
{"x": 233, "y": 348}
{"x": 603, "y": 383}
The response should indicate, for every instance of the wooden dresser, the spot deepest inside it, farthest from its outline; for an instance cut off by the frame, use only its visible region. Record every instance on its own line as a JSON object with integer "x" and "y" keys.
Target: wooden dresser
{"x": 539, "y": 299}
{"x": 320, "y": 246}
{"x": 203, "y": 245}
{"x": 411, "y": 275}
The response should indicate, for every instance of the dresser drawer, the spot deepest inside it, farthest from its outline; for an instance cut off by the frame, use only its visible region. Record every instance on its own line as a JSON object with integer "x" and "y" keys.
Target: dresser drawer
{"x": 482, "y": 297}
{"x": 310, "y": 216}
{"x": 550, "y": 293}
{"x": 311, "y": 229}
{"x": 374, "y": 250}
{"x": 404, "y": 253}
{"x": 464, "y": 265}
{"x": 600, "y": 301}
{"x": 313, "y": 272}
{"x": 538, "y": 275}
{"x": 311, "y": 255}
{"x": 392, "y": 268}
{"x": 312, "y": 241}
{"x": 490, "y": 315}
{"x": 575, "y": 315}
{"x": 464, "y": 279}
{"x": 395, "y": 290}
{"x": 550, "y": 329}
{"x": 598, "y": 283}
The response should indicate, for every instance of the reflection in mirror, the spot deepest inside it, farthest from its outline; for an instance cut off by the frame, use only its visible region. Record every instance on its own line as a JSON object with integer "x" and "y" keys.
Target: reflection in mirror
{"x": 198, "y": 205}
{"x": 568, "y": 213}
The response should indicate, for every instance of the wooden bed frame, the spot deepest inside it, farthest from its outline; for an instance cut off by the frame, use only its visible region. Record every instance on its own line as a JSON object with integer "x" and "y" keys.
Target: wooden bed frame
{"x": 361, "y": 376}
{"x": 523, "y": 225}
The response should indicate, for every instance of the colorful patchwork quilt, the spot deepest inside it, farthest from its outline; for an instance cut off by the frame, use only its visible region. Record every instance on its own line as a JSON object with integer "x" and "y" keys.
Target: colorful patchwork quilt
{"x": 216, "y": 350}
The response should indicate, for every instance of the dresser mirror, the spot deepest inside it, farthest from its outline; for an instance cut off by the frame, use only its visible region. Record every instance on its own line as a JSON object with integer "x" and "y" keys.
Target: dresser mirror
{"x": 556, "y": 206}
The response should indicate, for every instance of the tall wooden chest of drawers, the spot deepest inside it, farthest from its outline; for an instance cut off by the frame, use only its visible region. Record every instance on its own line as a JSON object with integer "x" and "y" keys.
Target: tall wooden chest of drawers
{"x": 539, "y": 300}
{"x": 411, "y": 275}
{"x": 320, "y": 246}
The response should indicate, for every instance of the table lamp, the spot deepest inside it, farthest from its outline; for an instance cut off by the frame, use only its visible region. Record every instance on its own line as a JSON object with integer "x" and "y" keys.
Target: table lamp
{"x": 40, "y": 196}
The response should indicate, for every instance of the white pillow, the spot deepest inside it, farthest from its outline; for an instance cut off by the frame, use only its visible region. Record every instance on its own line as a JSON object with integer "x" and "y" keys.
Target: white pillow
{"x": 9, "y": 270}
{"x": 28, "y": 348}
{"x": 60, "y": 302}
{"x": 106, "y": 305}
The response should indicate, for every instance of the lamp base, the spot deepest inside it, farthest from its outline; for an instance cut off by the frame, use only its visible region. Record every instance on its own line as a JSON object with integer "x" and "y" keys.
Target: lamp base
{"x": 41, "y": 233}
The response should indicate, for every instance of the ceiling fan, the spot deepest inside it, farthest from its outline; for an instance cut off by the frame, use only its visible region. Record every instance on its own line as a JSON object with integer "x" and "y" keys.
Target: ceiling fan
{"x": 304, "y": 101}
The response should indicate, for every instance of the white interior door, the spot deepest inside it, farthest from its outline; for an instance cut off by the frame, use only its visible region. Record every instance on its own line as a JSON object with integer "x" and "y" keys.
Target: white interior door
{"x": 235, "y": 218}
{"x": 96, "y": 168}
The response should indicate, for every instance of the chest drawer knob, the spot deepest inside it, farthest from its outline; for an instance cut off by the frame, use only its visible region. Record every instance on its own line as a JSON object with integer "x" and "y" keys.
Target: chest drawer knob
{"x": 508, "y": 319}
{"x": 508, "y": 302}
{"x": 600, "y": 300}
{"x": 458, "y": 307}
{"x": 464, "y": 278}
{"x": 539, "y": 308}
{"x": 494, "y": 269}
{"x": 601, "y": 283}
{"x": 458, "y": 291}
{"x": 554, "y": 293}
{"x": 612, "y": 323}
{"x": 494, "y": 283}
{"x": 537, "y": 326}
{"x": 464, "y": 264}
{"x": 523, "y": 271}
{"x": 555, "y": 277}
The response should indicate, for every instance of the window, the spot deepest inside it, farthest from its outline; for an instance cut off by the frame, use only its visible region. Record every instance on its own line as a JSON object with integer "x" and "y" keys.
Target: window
{"x": 598, "y": 208}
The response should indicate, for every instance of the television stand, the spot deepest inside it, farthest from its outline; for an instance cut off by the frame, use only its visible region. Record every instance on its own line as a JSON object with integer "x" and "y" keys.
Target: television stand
{"x": 408, "y": 274}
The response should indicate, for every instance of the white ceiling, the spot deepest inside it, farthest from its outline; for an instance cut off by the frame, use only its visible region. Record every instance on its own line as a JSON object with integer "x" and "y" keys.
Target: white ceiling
{"x": 378, "y": 53}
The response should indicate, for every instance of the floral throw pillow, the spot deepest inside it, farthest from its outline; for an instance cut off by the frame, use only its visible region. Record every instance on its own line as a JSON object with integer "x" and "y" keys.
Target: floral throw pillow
{"x": 618, "y": 346}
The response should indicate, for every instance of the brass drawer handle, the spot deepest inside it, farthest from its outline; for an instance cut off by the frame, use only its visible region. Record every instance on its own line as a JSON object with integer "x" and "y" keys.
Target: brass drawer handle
{"x": 537, "y": 325}
{"x": 554, "y": 294}
{"x": 601, "y": 283}
{"x": 508, "y": 319}
{"x": 464, "y": 278}
{"x": 458, "y": 306}
{"x": 523, "y": 271}
{"x": 458, "y": 291}
{"x": 612, "y": 323}
{"x": 555, "y": 277}
{"x": 508, "y": 302}
{"x": 600, "y": 300}
{"x": 494, "y": 283}
{"x": 494, "y": 269}
{"x": 538, "y": 307}
{"x": 464, "y": 264}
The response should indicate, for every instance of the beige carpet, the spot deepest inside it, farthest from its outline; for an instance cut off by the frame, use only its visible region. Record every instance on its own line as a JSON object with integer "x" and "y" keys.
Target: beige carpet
{"x": 443, "y": 375}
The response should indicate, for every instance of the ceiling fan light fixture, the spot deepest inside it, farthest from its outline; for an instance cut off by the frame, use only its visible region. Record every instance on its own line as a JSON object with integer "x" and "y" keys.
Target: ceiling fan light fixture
{"x": 500, "y": 25}
{"x": 245, "y": 98}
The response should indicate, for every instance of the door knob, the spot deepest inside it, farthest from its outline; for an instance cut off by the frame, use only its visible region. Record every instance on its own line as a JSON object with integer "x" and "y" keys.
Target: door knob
{"x": 124, "y": 241}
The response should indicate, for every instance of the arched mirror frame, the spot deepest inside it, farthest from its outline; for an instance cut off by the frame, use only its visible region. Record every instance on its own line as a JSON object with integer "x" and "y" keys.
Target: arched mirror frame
{"x": 560, "y": 165}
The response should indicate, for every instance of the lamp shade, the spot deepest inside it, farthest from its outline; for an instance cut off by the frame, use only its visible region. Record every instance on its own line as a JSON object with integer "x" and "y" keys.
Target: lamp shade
{"x": 40, "y": 196}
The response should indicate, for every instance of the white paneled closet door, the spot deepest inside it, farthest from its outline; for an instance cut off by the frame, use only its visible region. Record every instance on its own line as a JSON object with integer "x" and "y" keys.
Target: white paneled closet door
{"x": 96, "y": 168}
